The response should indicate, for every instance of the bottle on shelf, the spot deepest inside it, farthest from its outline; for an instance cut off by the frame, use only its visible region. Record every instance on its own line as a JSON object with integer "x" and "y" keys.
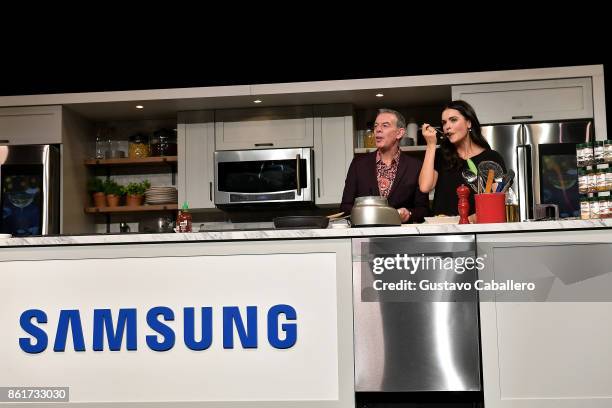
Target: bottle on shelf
{"x": 369, "y": 140}
{"x": 410, "y": 138}
{"x": 101, "y": 144}
{"x": 184, "y": 219}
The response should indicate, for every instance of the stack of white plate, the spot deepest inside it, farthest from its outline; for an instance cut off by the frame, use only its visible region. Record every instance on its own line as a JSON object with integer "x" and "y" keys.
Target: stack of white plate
{"x": 161, "y": 195}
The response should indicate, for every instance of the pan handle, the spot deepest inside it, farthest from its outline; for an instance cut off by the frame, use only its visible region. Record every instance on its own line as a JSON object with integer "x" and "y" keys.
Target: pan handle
{"x": 297, "y": 173}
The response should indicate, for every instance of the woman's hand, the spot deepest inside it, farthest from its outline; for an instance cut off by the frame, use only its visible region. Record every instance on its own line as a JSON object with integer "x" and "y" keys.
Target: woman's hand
{"x": 429, "y": 133}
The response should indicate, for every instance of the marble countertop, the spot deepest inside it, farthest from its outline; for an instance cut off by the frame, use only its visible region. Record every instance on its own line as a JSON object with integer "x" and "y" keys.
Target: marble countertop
{"x": 266, "y": 234}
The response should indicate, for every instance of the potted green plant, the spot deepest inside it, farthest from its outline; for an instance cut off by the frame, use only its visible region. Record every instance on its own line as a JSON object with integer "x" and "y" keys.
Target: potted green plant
{"x": 113, "y": 192}
{"x": 96, "y": 187}
{"x": 135, "y": 192}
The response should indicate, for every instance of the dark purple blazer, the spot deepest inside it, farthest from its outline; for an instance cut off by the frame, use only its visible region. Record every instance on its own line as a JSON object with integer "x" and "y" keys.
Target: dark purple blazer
{"x": 361, "y": 181}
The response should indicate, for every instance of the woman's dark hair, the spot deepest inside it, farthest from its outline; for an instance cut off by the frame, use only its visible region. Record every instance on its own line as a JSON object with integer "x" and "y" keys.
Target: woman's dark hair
{"x": 448, "y": 150}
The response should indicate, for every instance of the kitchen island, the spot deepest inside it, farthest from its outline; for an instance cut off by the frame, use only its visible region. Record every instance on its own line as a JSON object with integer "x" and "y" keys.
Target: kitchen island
{"x": 272, "y": 317}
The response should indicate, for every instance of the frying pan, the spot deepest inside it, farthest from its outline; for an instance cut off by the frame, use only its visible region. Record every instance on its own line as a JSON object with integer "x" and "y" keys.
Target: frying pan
{"x": 301, "y": 222}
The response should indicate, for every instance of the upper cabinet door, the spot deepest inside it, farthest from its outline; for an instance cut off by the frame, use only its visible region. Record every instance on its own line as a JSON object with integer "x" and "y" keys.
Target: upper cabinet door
{"x": 196, "y": 149}
{"x": 31, "y": 125}
{"x": 266, "y": 128}
{"x": 509, "y": 102}
{"x": 333, "y": 152}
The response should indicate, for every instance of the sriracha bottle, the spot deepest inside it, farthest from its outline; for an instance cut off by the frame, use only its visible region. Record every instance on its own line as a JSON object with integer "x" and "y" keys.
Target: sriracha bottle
{"x": 183, "y": 221}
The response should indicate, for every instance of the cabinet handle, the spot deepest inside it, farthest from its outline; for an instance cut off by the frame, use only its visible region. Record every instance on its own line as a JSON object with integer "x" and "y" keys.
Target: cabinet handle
{"x": 319, "y": 187}
{"x": 263, "y": 144}
{"x": 210, "y": 191}
{"x": 297, "y": 174}
{"x": 523, "y": 117}
{"x": 5, "y": 141}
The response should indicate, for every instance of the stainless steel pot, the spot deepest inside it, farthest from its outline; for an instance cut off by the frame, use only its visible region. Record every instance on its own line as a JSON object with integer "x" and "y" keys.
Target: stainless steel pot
{"x": 370, "y": 211}
{"x": 159, "y": 225}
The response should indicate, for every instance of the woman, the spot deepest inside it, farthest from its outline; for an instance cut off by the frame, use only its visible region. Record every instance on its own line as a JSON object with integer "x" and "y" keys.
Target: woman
{"x": 442, "y": 168}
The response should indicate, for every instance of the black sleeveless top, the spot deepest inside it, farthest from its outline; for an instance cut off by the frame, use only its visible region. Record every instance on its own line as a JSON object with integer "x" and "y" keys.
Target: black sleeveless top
{"x": 445, "y": 197}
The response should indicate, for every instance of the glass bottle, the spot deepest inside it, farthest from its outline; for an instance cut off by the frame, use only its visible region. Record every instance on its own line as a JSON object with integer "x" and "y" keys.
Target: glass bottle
{"x": 184, "y": 219}
{"x": 601, "y": 180}
{"x": 512, "y": 207}
{"x": 101, "y": 144}
{"x": 583, "y": 181}
{"x": 580, "y": 155}
{"x": 594, "y": 205}
{"x": 585, "y": 208}
{"x": 608, "y": 151}
{"x": 604, "y": 209}
{"x": 598, "y": 157}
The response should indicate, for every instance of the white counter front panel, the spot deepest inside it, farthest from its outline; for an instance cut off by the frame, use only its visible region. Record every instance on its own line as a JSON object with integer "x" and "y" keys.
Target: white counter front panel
{"x": 307, "y": 370}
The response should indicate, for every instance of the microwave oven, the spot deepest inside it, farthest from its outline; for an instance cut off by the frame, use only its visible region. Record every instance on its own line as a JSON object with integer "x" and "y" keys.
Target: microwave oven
{"x": 264, "y": 176}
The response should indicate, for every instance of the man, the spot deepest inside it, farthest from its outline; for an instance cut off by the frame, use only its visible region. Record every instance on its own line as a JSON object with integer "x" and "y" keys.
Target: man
{"x": 387, "y": 172}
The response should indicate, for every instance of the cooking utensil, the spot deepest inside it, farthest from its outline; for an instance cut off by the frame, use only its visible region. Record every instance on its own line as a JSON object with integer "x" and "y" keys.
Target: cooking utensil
{"x": 470, "y": 178}
{"x": 505, "y": 182}
{"x": 472, "y": 166}
{"x": 301, "y": 221}
{"x": 370, "y": 211}
{"x": 441, "y": 134}
{"x": 490, "y": 177}
{"x": 334, "y": 216}
{"x": 483, "y": 171}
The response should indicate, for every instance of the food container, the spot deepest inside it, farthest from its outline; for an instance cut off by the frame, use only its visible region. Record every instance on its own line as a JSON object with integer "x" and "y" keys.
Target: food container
{"x": 139, "y": 146}
{"x": 163, "y": 143}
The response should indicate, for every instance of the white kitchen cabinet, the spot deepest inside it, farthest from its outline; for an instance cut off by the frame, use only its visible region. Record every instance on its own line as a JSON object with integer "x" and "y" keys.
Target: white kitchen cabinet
{"x": 196, "y": 149}
{"x": 31, "y": 125}
{"x": 549, "y": 347}
{"x": 508, "y": 102}
{"x": 333, "y": 152}
{"x": 265, "y": 128}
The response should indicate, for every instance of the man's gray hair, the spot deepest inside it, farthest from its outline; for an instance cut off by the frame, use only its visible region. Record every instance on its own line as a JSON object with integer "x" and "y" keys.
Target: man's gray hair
{"x": 401, "y": 121}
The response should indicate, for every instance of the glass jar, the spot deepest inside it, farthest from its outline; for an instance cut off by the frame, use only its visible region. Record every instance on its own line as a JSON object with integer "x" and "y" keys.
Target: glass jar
{"x": 139, "y": 146}
{"x": 604, "y": 208}
{"x": 581, "y": 154}
{"x": 369, "y": 140}
{"x": 592, "y": 181}
{"x": 599, "y": 152}
{"x": 585, "y": 208}
{"x": 583, "y": 181}
{"x": 600, "y": 177}
{"x": 163, "y": 143}
{"x": 594, "y": 207}
{"x": 608, "y": 151}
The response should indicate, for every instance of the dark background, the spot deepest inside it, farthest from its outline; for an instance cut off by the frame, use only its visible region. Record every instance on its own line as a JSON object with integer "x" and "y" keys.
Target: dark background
{"x": 143, "y": 60}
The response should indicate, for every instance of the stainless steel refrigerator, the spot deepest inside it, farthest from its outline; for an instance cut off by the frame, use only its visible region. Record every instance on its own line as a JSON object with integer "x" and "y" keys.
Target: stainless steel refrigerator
{"x": 30, "y": 190}
{"x": 543, "y": 156}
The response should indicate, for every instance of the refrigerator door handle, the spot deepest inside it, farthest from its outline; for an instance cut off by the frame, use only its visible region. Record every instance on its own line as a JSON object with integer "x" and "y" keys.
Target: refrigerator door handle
{"x": 524, "y": 181}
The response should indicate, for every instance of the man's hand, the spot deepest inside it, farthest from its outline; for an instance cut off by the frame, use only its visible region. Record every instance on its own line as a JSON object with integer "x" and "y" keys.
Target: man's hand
{"x": 404, "y": 214}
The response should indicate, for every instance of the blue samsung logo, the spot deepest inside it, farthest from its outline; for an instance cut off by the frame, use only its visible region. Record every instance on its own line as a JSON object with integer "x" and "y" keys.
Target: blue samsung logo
{"x": 104, "y": 327}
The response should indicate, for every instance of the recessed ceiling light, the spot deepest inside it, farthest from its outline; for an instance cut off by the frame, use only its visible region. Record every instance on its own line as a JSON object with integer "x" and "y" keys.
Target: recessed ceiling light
{"x": 257, "y": 101}
{"x": 379, "y": 95}
{"x": 139, "y": 106}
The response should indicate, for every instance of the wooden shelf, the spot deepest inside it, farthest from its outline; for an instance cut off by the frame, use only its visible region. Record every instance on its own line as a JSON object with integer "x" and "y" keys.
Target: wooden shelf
{"x": 140, "y": 208}
{"x": 144, "y": 161}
